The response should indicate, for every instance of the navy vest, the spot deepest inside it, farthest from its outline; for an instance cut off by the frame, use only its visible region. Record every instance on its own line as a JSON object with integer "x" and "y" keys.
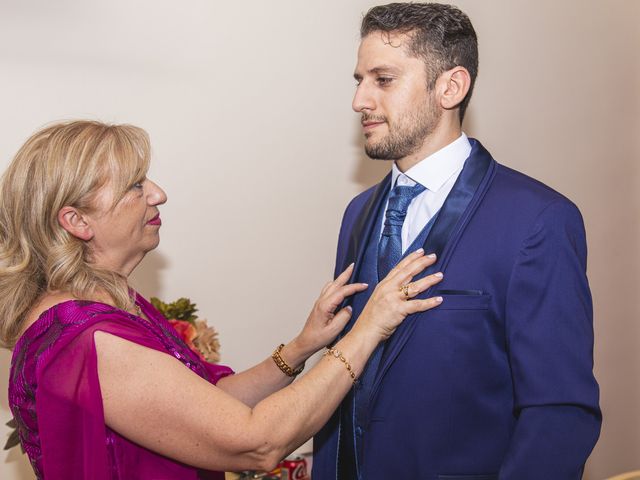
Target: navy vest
{"x": 355, "y": 407}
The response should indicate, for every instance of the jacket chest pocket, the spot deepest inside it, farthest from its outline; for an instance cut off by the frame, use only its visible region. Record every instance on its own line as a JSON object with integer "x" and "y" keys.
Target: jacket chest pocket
{"x": 468, "y": 477}
{"x": 463, "y": 300}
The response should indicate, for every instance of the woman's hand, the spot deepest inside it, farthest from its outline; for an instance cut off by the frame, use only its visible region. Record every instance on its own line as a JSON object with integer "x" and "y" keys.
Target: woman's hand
{"x": 323, "y": 324}
{"x": 390, "y": 302}
{"x": 321, "y": 328}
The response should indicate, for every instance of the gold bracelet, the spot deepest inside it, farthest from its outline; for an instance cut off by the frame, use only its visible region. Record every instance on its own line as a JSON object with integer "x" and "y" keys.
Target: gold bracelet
{"x": 338, "y": 354}
{"x": 284, "y": 366}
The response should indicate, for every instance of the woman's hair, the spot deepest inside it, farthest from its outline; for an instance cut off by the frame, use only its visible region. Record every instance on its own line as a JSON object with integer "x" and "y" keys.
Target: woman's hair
{"x": 64, "y": 164}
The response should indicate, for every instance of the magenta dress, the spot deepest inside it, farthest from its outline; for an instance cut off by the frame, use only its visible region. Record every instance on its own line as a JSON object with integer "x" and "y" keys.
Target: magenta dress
{"x": 55, "y": 398}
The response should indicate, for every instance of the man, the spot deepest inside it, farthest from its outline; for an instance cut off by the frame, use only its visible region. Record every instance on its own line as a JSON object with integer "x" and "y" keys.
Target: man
{"x": 497, "y": 382}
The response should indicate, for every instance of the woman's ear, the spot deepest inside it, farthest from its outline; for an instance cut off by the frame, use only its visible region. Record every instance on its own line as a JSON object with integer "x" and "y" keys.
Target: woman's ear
{"x": 74, "y": 222}
{"x": 458, "y": 83}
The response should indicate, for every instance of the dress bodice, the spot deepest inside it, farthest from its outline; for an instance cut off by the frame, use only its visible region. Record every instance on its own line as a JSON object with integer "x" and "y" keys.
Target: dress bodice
{"x": 54, "y": 393}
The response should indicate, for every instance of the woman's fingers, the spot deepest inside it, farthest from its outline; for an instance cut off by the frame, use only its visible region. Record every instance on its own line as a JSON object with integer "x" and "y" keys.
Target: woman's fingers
{"x": 341, "y": 318}
{"x": 415, "y": 288}
{"x": 410, "y": 266}
{"x": 325, "y": 288}
{"x": 415, "y": 306}
{"x": 340, "y": 280}
{"x": 412, "y": 257}
{"x": 419, "y": 286}
{"x": 349, "y": 290}
{"x": 344, "y": 276}
{"x": 338, "y": 296}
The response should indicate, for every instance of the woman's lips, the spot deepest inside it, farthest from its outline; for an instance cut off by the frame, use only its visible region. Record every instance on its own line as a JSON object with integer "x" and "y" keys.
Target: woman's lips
{"x": 155, "y": 220}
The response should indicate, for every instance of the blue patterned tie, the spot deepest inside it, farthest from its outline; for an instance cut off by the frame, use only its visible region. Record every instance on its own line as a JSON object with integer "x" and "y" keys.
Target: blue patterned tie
{"x": 390, "y": 246}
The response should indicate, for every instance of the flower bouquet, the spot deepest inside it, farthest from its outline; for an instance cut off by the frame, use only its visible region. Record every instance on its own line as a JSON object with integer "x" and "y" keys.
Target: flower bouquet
{"x": 198, "y": 336}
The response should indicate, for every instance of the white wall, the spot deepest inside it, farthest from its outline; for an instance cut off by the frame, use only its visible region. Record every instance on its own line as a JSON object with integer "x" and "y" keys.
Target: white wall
{"x": 239, "y": 95}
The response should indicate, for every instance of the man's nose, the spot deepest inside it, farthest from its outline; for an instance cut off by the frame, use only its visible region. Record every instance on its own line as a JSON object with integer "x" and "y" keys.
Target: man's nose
{"x": 363, "y": 100}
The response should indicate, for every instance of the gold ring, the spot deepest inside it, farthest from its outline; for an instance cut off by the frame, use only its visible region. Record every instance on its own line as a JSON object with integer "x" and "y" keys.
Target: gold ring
{"x": 405, "y": 289}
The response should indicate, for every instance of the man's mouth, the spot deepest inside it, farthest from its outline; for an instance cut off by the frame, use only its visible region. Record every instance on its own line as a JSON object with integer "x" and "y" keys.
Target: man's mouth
{"x": 371, "y": 122}
{"x": 368, "y": 125}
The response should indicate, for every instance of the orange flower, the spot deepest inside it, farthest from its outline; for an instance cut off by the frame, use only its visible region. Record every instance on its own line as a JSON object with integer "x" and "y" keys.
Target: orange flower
{"x": 186, "y": 332}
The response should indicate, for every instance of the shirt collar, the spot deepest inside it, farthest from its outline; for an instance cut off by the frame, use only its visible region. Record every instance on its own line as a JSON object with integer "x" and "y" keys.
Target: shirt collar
{"x": 437, "y": 168}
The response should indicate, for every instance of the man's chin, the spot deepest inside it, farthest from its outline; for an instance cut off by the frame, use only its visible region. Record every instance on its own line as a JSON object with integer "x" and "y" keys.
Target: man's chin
{"x": 372, "y": 147}
{"x": 376, "y": 152}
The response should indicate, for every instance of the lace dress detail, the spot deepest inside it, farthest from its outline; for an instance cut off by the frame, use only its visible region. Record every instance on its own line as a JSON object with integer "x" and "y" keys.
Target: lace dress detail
{"x": 55, "y": 398}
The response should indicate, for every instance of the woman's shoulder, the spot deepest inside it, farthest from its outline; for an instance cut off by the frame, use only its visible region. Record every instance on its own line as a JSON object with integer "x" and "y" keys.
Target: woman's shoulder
{"x": 62, "y": 308}
{"x": 61, "y": 335}
{"x": 72, "y": 321}
{"x": 64, "y": 314}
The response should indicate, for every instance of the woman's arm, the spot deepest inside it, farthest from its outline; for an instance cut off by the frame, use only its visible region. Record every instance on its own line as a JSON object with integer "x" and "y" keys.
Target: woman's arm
{"x": 154, "y": 400}
{"x": 265, "y": 378}
{"x": 321, "y": 329}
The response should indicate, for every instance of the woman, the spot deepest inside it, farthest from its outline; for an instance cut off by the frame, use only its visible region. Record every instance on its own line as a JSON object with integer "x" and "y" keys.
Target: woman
{"x": 100, "y": 385}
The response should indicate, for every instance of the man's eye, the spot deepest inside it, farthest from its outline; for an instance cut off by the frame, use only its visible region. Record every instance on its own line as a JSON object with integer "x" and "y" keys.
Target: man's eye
{"x": 384, "y": 80}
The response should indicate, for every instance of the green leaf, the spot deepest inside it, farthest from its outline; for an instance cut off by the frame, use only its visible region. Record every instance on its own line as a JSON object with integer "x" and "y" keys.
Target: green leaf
{"x": 181, "y": 309}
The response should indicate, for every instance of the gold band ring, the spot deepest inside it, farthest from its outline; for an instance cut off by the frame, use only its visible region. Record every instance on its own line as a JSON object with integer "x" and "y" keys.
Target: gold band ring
{"x": 405, "y": 290}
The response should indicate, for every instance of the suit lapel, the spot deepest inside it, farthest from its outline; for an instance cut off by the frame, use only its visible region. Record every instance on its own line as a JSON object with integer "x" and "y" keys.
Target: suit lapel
{"x": 364, "y": 225}
{"x": 454, "y": 215}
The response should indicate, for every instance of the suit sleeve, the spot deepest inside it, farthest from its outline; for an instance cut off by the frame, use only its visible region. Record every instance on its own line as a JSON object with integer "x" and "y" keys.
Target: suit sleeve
{"x": 549, "y": 320}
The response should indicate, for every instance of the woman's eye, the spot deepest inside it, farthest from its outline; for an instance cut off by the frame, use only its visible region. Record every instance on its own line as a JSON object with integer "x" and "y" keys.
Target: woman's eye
{"x": 137, "y": 185}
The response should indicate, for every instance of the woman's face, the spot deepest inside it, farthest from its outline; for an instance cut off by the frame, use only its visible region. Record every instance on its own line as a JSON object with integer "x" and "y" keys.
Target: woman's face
{"x": 123, "y": 234}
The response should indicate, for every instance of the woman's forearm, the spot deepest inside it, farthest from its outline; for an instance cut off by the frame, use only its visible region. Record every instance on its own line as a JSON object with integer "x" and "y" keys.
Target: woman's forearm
{"x": 291, "y": 416}
{"x": 260, "y": 381}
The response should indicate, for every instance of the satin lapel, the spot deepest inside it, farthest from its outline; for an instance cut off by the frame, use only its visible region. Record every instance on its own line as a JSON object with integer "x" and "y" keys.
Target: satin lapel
{"x": 453, "y": 216}
{"x": 363, "y": 226}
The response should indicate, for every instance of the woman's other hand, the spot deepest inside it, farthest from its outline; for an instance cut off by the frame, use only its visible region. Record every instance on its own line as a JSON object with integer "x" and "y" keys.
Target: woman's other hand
{"x": 392, "y": 300}
{"x": 324, "y": 324}
{"x": 320, "y": 329}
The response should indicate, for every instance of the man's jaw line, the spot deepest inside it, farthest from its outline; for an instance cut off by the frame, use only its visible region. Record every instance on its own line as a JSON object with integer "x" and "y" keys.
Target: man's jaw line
{"x": 435, "y": 141}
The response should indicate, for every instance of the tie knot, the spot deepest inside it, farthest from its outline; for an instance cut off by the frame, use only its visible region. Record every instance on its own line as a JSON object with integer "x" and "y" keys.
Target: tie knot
{"x": 399, "y": 201}
{"x": 402, "y": 195}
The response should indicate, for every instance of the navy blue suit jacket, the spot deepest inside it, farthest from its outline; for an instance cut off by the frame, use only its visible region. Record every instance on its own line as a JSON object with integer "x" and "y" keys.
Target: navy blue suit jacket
{"x": 497, "y": 382}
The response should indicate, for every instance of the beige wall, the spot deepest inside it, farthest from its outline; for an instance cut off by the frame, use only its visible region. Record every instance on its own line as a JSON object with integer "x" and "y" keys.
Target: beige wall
{"x": 239, "y": 95}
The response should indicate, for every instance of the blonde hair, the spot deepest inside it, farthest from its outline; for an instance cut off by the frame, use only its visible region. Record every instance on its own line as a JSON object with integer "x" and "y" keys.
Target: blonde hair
{"x": 64, "y": 164}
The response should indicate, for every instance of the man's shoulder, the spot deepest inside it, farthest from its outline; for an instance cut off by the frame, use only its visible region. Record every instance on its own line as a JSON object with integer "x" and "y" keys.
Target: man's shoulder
{"x": 356, "y": 208}
{"x": 518, "y": 199}
{"x": 361, "y": 199}
{"x": 514, "y": 187}
{"x": 522, "y": 190}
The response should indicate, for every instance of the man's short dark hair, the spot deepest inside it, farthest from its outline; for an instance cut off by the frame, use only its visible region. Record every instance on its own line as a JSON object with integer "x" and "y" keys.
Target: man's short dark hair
{"x": 442, "y": 35}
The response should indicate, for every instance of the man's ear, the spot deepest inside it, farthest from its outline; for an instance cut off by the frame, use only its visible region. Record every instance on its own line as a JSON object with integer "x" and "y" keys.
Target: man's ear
{"x": 74, "y": 222}
{"x": 454, "y": 87}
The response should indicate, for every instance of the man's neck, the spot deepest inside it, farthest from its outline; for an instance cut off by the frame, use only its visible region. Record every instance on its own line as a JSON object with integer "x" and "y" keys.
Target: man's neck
{"x": 442, "y": 136}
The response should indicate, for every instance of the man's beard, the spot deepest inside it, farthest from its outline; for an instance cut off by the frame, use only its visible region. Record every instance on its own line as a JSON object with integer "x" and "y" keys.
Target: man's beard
{"x": 406, "y": 136}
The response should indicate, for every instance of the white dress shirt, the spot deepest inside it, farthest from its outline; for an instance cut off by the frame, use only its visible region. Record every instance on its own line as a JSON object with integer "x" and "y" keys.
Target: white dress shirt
{"x": 437, "y": 173}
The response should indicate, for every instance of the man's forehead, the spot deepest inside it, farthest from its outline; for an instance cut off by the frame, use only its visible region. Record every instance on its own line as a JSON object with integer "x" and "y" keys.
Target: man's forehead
{"x": 394, "y": 39}
{"x": 383, "y": 51}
